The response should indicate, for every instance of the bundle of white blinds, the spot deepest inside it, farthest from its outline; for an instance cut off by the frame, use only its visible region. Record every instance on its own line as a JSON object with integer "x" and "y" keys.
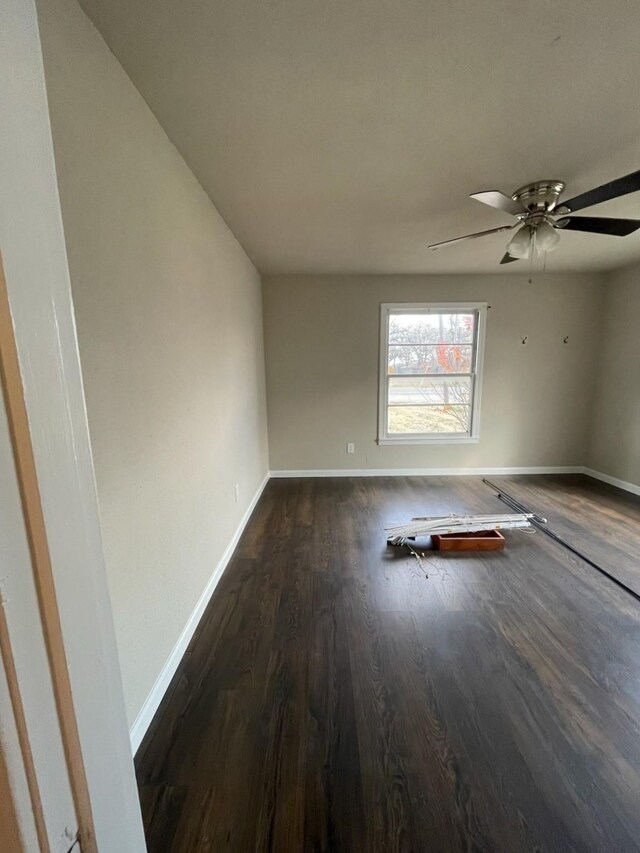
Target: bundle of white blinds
{"x": 443, "y": 524}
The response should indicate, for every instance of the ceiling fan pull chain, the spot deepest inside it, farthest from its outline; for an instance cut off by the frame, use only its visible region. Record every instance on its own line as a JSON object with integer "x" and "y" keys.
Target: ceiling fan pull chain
{"x": 532, "y": 256}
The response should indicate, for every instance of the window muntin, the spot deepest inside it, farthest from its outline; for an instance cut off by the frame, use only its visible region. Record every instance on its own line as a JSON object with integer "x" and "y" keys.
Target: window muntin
{"x": 431, "y": 358}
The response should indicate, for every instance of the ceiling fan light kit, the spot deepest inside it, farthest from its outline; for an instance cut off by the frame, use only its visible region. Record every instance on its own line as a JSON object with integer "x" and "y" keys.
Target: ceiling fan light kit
{"x": 546, "y": 237}
{"x": 540, "y": 215}
{"x": 519, "y": 247}
{"x": 532, "y": 239}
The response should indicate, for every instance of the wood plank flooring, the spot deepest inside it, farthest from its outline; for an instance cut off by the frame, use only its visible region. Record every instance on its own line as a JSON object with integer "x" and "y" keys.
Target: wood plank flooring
{"x": 576, "y": 507}
{"x": 334, "y": 698}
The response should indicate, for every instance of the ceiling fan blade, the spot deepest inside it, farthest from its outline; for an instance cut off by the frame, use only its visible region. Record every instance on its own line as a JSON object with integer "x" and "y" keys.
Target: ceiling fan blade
{"x": 599, "y": 225}
{"x": 473, "y": 236}
{"x": 500, "y": 201}
{"x": 507, "y": 259}
{"x": 614, "y": 189}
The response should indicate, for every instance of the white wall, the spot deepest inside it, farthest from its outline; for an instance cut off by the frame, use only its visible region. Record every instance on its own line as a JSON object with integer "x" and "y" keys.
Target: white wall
{"x": 322, "y": 341}
{"x": 614, "y": 447}
{"x": 168, "y": 311}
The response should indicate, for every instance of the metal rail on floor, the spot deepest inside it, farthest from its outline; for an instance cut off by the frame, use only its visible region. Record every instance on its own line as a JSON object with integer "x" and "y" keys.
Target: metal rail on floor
{"x": 541, "y": 524}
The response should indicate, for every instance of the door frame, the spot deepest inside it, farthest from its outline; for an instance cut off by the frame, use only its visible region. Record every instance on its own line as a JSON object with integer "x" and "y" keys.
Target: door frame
{"x": 43, "y": 327}
{"x": 12, "y": 396}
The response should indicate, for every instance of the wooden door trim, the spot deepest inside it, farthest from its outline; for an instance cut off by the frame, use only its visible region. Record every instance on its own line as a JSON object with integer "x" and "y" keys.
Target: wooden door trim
{"x": 6, "y": 653}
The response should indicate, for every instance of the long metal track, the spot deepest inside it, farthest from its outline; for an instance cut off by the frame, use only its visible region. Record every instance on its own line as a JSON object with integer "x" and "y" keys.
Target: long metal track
{"x": 541, "y": 524}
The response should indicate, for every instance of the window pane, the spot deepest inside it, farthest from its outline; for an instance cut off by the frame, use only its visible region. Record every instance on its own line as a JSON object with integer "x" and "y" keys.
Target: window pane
{"x": 430, "y": 390}
{"x": 428, "y": 419}
{"x": 432, "y": 328}
{"x": 434, "y": 358}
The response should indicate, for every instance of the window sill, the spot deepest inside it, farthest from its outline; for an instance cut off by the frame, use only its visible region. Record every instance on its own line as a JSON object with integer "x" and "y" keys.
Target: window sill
{"x": 416, "y": 439}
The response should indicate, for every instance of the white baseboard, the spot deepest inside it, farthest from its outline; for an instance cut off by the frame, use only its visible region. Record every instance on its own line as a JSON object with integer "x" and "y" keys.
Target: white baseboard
{"x": 148, "y": 710}
{"x": 612, "y": 481}
{"x": 427, "y": 472}
{"x": 457, "y": 472}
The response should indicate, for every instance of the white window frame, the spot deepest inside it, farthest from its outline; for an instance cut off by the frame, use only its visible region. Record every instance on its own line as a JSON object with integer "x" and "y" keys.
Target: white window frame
{"x": 473, "y": 435}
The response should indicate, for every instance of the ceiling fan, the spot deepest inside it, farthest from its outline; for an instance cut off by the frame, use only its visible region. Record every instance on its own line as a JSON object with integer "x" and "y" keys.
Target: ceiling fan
{"x": 540, "y": 215}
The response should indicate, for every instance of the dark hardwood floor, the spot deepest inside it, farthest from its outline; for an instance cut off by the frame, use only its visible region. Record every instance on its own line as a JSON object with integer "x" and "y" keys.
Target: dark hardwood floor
{"x": 576, "y": 507}
{"x": 336, "y": 699}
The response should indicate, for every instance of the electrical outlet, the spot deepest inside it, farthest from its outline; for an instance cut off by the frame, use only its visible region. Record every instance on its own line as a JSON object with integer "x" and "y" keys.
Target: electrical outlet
{"x": 351, "y": 448}
{"x": 237, "y": 492}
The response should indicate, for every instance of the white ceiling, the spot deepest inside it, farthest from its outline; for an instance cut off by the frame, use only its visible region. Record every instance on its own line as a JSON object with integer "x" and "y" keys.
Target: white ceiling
{"x": 346, "y": 135}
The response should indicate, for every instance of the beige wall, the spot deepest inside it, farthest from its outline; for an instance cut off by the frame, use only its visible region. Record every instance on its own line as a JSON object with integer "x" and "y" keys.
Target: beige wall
{"x": 168, "y": 309}
{"x": 614, "y": 447}
{"x": 322, "y": 342}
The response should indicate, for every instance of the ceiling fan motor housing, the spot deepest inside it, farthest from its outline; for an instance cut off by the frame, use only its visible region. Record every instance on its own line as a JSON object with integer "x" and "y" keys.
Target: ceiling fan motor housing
{"x": 539, "y": 197}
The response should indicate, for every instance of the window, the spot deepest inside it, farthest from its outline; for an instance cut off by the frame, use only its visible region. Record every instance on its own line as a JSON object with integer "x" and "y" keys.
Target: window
{"x": 430, "y": 372}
